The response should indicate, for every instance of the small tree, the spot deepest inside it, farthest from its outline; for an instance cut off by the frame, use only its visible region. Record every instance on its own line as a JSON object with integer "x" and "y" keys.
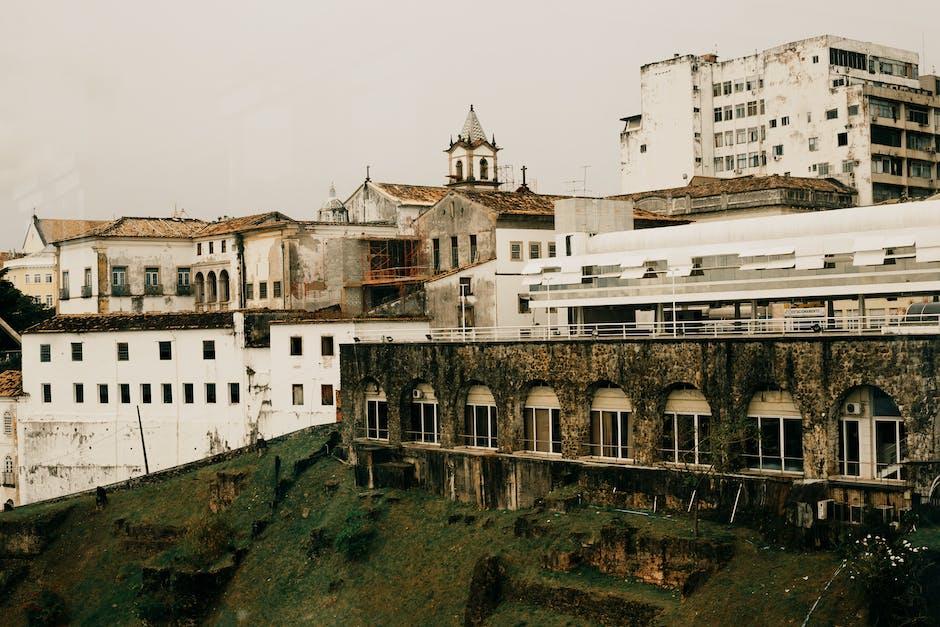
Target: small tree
{"x": 17, "y": 309}
{"x": 891, "y": 575}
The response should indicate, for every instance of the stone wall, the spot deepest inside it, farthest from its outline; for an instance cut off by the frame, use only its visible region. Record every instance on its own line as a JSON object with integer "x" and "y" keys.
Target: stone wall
{"x": 819, "y": 371}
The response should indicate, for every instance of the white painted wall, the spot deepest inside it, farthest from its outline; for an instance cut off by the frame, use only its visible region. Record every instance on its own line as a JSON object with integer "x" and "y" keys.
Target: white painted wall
{"x": 8, "y": 409}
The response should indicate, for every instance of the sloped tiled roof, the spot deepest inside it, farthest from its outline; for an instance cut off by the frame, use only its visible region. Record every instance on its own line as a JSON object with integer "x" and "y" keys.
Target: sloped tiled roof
{"x": 472, "y": 130}
{"x": 413, "y": 194}
{"x": 700, "y": 186}
{"x": 242, "y": 223}
{"x": 58, "y": 229}
{"x": 147, "y": 227}
{"x": 11, "y": 383}
{"x": 93, "y": 323}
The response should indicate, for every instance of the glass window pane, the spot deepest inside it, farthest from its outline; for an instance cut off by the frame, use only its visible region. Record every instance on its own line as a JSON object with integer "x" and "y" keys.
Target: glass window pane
{"x": 849, "y": 447}
{"x": 685, "y": 440}
{"x": 595, "y": 436}
{"x": 556, "y": 431}
{"x": 529, "y": 426}
{"x": 770, "y": 443}
{"x": 468, "y": 424}
{"x": 493, "y": 428}
{"x": 542, "y": 430}
{"x": 482, "y": 426}
{"x": 793, "y": 445}
{"x": 609, "y": 421}
{"x": 668, "y": 442}
{"x": 886, "y": 448}
{"x": 383, "y": 419}
{"x": 625, "y": 435}
{"x": 704, "y": 439}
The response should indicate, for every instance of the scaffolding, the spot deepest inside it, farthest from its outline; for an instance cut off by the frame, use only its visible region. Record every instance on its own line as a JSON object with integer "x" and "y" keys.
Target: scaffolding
{"x": 394, "y": 261}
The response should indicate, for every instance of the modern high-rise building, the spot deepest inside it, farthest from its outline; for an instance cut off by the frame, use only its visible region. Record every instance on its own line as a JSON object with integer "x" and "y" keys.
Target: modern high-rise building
{"x": 827, "y": 106}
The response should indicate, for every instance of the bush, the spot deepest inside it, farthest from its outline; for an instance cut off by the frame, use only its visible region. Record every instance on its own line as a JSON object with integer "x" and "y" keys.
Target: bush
{"x": 890, "y": 572}
{"x": 207, "y": 541}
{"x": 46, "y": 609}
{"x": 355, "y": 538}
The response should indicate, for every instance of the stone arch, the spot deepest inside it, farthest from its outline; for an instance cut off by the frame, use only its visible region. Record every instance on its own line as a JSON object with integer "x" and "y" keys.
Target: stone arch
{"x": 200, "y": 288}
{"x": 773, "y": 438}
{"x": 871, "y": 434}
{"x": 610, "y": 429}
{"x": 484, "y": 169}
{"x": 458, "y": 170}
{"x": 685, "y": 430}
{"x": 540, "y": 412}
{"x": 420, "y": 412}
{"x": 224, "y": 288}
{"x": 478, "y": 415}
{"x": 212, "y": 289}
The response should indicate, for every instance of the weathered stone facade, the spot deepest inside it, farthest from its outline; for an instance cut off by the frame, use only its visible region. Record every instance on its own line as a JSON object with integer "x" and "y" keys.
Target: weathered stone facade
{"x": 818, "y": 371}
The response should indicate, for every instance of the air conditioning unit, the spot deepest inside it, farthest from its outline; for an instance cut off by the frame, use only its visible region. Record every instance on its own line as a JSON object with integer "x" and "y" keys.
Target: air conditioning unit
{"x": 825, "y": 509}
{"x": 417, "y": 394}
{"x": 851, "y": 409}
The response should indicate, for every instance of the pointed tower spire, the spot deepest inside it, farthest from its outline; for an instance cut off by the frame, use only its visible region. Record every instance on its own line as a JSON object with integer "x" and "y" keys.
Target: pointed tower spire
{"x": 472, "y": 129}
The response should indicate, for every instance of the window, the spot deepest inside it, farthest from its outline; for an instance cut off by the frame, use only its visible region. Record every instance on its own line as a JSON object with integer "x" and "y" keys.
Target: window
{"x": 464, "y": 287}
{"x": 842, "y": 139}
{"x": 211, "y": 247}
{"x": 208, "y": 349}
{"x": 167, "y": 390}
{"x": 103, "y": 393}
{"x": 741, "y": 161}
{"x": 27, "y": 278}
{"x": 119, "y": 276}
{"x": 262, "y": 289}
{"x": 234, "y": 393}
{"x": 535, "y": 250}
{"x": 542, "y": 429}
{"x": 48, "y": 278}
{"x": 716, "y": 90}
{"x": 151, "y": 277}
{"x": 685, "y": 438}
{"x": 729, "y": 138}
{"x": 326, "y": 345}
{"x": 473, "y": 248}
{"x": 719, "y": 164}
{"x": 165, "y": 350}
{"x": 515, "y": 251}
{"x": 480, "y": 424}
{"x": 642, "y": 148}
{"x": 738, "y": 86}
{"x": 815, "y": 58}
{"x": 484, "y": 169}
{"x": 719, "y": 140}
{"x": 188, "y": 395}
{"x": 436, "y": 254}
{"x": 785, "y": 120}
{"x": 729, "y": 162}
{"x": 145, "y": 393}
{"x": 454, "y": 252}
{"x": 848, "y": 166}
{"x": 778, "y": 150}
{"x": 222, "y": 244}
{"x": 123, "y": 353}
{"x": 853, "y": 110}
{"x": 832, "y": 114}
{"x": 45, "y": 353}
{"x": 524, "y": 305}
{"x": 326, "y": 394}
{"x": 822, "y": 169}
{"x": 752, "y": 108}
{"x": 297, "y": 394}
{"x": 125, "y": 390}
{"x": 425, "y": 425}
{"x": 728, "y": 112}
{"x": 7, "y": 423}
{"x": 872, "y": 436}
{"x": 76, "y": 351}
{"x": 726, "y": 88}
{"x": 919, "y": 169}
{"x": 459, "y": 170}
{"x": 739, "y": 110}
{"x": 753, "y": 160}
{"x": 296, "y": 345}
{"x": 809, "y": 116}
{"x": 79, "y": 390}
{"x": 48, "y": 300}
{"x": 551, "y": 249}
{"x": 377, "y": 416}
{"x": 753, "y": 135}
{"x": 716, "y": 112}
{"x": 210, "y": 392}
{"x": 182, "y": 277}
{"x": 198, "y": 248}
{"x": 854, "y": 60}
{"x": 741, "y": 136}
{"x": 813, "y": 144}
{"x": 46, "y": 392}
{"x": 276, "y": 289}
{"x": 919, "y": 116}
{"x": 774, "y": 443}
{"x": 37, "y": 278}
{"x": 249, "y": 291}
{"x": 773, "y": 123}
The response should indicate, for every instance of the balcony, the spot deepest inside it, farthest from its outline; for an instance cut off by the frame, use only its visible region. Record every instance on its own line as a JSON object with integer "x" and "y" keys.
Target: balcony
{"x": 63, "y": 293}
{"x": 120, "y": 290}
{"x": 9, "y": 479}
{"x": 86, "y": 291}
{"x": 184, "y": 290}
{"x": 153, "y": 290}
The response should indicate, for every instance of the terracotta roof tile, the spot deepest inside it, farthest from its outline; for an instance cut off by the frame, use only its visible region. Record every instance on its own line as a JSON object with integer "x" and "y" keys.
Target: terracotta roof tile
{"x": 11, "y": 383}
{"x": 413, "y": 194}
{"x": 147, "y": 227}
{"x": 92, "y": 323}
{"x": 58, "y": 229}
{"x": 242, "y": 223}
{"x": 701, "y": 186}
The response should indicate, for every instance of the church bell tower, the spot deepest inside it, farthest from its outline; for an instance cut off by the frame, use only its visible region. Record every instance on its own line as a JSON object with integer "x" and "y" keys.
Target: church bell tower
{"x": 471, "y": 160}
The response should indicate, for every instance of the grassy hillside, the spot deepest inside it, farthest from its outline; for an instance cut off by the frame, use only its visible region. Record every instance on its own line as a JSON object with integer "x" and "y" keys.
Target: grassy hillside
{"x": 330, "y": 553}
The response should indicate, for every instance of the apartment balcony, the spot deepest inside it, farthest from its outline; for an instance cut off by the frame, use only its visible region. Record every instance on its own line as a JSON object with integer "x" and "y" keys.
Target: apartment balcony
{"x": 120, "y": 290}
{"x": 63, "y": 293}
{"x": 9, "y": 479}
{"x": 86, "y": 291}
{"x": 153, "y": 290}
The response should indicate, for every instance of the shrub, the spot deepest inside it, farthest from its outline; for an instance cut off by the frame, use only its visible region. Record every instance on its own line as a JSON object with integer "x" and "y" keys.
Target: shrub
{"x": 207, "y": 541}
{"x": 46, "y": 609}
{"x": 890, "y": 572}
{"x": 355, "y": 538}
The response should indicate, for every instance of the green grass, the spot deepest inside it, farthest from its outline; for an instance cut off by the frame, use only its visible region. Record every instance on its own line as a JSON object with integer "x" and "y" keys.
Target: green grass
{"x": 418, "y": 567}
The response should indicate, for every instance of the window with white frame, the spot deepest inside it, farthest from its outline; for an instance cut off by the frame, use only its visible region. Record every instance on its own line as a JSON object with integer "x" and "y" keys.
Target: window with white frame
{"x": 480, "y": 426}
{"x": 376, "y": 413}
{"x": 425, "y": 425}
{"x": 686, "y": 428}
{"x": 872, "y": 436}
{"x": 774, "y": 439}
{"x": 542, "y": 421}
{"x": 611, "y": 433}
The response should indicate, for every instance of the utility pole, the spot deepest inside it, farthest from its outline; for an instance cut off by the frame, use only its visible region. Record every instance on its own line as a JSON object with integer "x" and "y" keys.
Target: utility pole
{"x": 142, "y": 442}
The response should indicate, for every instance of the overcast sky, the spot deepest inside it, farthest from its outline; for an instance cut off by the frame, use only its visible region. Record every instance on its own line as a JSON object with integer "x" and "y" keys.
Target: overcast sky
{"x": 132, "y": 108}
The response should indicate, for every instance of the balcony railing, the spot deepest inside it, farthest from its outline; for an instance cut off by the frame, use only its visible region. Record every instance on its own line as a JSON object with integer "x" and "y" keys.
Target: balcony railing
{"x": 120, "y": 290}
{"x": 925, "y": 324}
{"x": 63, "y": 293}
{"x": 153, "y": 290}
{"x": 184, "y": 290}
{"x": 86, "y": 291}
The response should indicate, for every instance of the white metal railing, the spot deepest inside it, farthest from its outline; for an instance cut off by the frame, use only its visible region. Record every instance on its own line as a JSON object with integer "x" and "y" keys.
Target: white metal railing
{"x": 900, "y": 324}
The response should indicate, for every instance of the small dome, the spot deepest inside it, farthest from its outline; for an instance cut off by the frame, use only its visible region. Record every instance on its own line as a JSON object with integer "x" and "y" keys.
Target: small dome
{"x": 333, "y": 209}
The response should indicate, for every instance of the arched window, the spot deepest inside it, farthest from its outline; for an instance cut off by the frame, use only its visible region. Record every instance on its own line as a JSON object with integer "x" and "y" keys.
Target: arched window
{"x": 223, "y": 286}
{"x": 774, "y": 433}
{"x": 872, "y": 436}
{"x": 200, "y": 288}
{"x": 376, "y": 412}
{"x": 542, "y": 421}
{"x": 7, "y": 423}
{"x": 8, "y": 464}
{"x": 484, "y": 169}
{"x": 425, "y": 425}
{"x": 611, "y": 434}
{"x": 686, "y": 423}
{"x": 480, "y": 418}
{"x": 212, "y": 292}
{"x": 458, "y": 169}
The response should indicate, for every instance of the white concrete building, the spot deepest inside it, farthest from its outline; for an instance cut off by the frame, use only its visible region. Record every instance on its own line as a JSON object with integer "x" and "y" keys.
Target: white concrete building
{"x": 825, "y": 106}
{"x": 841, "y": 264}
{"x": 11, "y": 396}
{"x": 305, "y": 376}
